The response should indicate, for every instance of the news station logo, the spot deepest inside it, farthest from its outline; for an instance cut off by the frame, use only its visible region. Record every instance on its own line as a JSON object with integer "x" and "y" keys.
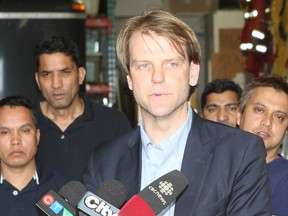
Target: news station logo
{"x": 166, "y": 188}
{"x": 55, "y": 206}
{"x": 99, "y": 206}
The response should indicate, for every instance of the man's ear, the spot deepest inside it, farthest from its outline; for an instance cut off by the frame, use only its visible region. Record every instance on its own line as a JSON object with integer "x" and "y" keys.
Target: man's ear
{"x": 238, "y": 118}
{"x": 194, "y": 73}
{"x": 129, "y": 81}
{"x": 37, "y": 80}
{"x": 82, "y": 74}
{"x": 38, "y": 136}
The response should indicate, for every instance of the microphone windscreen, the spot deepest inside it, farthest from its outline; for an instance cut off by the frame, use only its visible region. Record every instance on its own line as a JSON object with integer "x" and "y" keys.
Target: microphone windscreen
{"x": 73, "y": 191}
{"x": 113, "y": 192}
{"x": 154, "y": 198}
{"x": 136, "y": 206}
{"x": 163, "y": 191}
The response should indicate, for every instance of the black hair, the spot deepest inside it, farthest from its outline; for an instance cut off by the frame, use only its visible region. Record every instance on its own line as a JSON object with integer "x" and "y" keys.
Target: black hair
{"x": 58, "y": 44}
{"x": 274, "y": 81}
{"x": 16, "y": 100}
{"x": 220, "y": 86}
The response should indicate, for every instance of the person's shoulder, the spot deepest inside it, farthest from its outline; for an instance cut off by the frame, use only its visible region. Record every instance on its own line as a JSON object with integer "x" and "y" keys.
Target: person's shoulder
{"x": 120, "y": 143}
{"x": 223, "y": 130}
{"x": 100, "y": 109}
{"x": 280, "y": 164}
{"x": 227, "y": 137}
{"x": 103, "y": 108}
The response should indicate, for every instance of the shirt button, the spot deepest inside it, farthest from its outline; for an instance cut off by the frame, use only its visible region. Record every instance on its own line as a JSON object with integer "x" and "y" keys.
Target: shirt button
{"x": 15, "y": 192}
{"x": 63, "y": 136}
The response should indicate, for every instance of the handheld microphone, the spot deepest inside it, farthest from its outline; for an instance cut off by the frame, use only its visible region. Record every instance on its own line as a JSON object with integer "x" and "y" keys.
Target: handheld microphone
{"x": 110, "y": 196}
{"x": 55, "y": 204}
{"x": 154, "y": 198}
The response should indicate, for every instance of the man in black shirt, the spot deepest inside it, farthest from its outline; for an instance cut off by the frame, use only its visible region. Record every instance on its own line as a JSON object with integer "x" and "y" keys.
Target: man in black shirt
{"x": 23, "y": 180}
{"x": 71, "y": 124}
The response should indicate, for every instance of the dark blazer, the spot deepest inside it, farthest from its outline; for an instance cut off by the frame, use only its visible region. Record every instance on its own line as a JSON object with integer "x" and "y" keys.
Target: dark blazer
{"x": 225, "y": 167}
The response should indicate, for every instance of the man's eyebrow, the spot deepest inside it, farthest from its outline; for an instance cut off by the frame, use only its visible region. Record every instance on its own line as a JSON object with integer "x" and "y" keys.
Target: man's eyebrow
{"x": 232, "y": 104}
{"x": 64, "y": 69}
{"x": 211, "y": 105}
{"x": 136, "y": 61}
{"x": 282, "y": 112}
{"x": 44, "y": 71}
{"x": 277, "y": 111}
{"x": 3, "y": 127}
{"x": 28, "y": 125}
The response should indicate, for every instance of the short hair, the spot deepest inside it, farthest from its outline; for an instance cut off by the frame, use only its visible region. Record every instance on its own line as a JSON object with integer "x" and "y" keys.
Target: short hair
{"x": 58, "y": 44}
{"x": 219, "y": 86}
{"x": 20, "y": 101}
{"x": 162, "y": 23}
{"x": 275, "y": 81}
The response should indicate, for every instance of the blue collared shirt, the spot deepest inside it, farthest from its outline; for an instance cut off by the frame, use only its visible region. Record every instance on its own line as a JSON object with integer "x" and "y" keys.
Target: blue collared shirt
{"x": 158, "y": 160}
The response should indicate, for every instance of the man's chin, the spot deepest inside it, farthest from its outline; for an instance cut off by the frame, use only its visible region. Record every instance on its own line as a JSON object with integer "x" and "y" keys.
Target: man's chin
{"x": 59, "y": 104}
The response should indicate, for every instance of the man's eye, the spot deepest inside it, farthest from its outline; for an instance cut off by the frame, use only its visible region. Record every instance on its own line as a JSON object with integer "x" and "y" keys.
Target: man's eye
{"x": 259, "y": 110}
{"x": 212, "y": 109}
{"x": 232, "y": 108}
{"x": 143, "y": 66}
{"x": 172, "y": 64}
{"x": 279, "y": 117}
{"x": 4, "y": 132}
{"x": 66, "y": 71}
{"x": 44, "y": 74}
{"x": 26, "y": 130}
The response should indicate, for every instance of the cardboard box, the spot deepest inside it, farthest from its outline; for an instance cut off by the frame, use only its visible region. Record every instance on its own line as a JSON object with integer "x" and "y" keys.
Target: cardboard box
{"x": 229, "y": 61}
{"x": 226, "y": 65}
{"x": 230, "y": 39}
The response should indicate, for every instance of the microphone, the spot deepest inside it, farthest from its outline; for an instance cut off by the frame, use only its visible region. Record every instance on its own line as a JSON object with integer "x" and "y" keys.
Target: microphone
{"x": 156, "y": 196}
{"x": 72, "y": 192}
{"x": 55, "y": 204}
{"x": 110, "y": 196}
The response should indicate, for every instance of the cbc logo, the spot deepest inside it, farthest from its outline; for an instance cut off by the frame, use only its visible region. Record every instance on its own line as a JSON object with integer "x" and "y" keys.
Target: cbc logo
{"x": 166, "y": 188}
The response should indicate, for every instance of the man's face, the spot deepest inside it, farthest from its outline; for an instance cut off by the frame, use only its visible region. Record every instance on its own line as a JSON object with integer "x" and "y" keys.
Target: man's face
{"x": 59, "y": 79}
{"x": 19, "y": 137}
{"x": 222, "y": 107}
{"x": 159, "y": 76}
{"x": 266, "y": 115}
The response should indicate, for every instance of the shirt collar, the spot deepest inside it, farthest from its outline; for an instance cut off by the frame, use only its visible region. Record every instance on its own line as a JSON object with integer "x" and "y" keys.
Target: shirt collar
{"x": 146, "y": 140}
{"x": 35, "y": 177}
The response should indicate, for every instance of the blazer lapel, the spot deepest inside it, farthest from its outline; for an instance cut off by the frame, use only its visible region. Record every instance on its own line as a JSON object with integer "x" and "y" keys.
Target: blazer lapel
{"x": 130, "y": 165}
{"x": 196, "y": 161}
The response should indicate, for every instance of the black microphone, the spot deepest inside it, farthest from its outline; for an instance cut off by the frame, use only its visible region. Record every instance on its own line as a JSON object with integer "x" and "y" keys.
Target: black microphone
{"x": 110, "y": 196}
{"x": 55, "y": 204}
{"x": 154, "y": 198}
{"x": 72, "y": 192}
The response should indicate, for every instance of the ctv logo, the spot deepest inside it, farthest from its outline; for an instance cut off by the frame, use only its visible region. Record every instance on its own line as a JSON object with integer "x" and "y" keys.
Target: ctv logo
{"x": 55, "y": 206}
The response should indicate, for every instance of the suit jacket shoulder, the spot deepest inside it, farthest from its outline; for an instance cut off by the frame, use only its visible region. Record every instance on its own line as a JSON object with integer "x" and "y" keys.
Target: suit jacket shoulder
{"x": 227, "y": 172}
{"x": 119, "y": 160}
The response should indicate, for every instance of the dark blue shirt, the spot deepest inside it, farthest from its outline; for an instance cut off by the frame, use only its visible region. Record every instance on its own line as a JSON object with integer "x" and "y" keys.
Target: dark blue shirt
{"x": 278, "y": 175}
{"x": 22, "y": 203}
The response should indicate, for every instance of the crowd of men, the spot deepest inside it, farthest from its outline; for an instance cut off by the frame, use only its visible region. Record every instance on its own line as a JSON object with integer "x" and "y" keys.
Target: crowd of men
{"x": 229, "y": 153}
